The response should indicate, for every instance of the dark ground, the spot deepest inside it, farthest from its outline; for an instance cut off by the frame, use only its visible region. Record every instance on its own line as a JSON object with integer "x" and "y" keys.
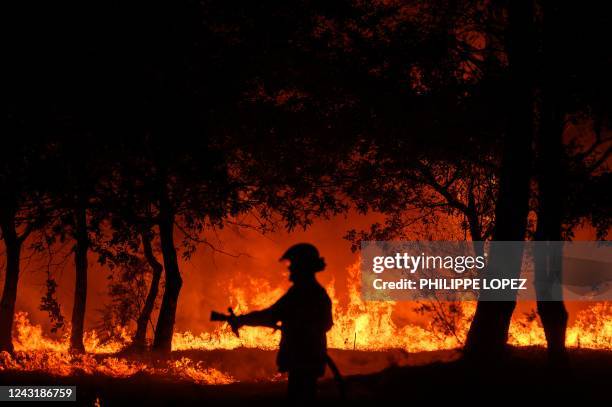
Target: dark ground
{"x": 521, "y": 378}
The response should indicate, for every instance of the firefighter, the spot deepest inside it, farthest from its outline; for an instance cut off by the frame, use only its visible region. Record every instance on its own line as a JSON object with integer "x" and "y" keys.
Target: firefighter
{"x": 305, "y": 315}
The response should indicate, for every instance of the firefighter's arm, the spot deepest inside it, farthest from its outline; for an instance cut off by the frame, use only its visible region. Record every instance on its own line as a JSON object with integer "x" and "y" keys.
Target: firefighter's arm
{"x": 268, "y": 317}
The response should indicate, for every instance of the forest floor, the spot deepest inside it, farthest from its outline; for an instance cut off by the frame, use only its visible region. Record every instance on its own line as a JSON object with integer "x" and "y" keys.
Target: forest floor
{"x": 522, "y": 377}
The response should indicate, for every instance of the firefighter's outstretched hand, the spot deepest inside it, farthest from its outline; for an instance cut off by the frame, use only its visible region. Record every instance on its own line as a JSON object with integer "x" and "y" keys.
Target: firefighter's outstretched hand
{"x": 232, "y": 319}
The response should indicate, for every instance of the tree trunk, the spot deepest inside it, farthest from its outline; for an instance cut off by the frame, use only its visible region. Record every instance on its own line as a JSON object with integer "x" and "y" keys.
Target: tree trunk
{"x": 140, "y": 337}
{"x": 80, "y": 285}
{"x": 551, "y": 307}
{"x": 551, "y": 195}
{"x": 474, "y": 224}
{"x": 167, "y": 313}
{"x": 9, "y": 294}
{"x": 488, "y": 333}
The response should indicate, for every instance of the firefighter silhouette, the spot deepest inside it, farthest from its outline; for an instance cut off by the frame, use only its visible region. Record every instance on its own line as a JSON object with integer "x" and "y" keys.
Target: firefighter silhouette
{"x": 305, "y": 315}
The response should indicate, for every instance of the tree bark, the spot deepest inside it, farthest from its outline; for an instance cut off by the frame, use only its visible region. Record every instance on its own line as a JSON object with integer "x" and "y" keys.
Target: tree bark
{"x": 488, "y": 333}
{"x": 474, "y": 224}
{"x": 140, "y": 336}
{"x": 167, "y": 313}
{"x": 13, "y": 245}
{"x": 548, "y": 265}
{"x": 80, "y": 286}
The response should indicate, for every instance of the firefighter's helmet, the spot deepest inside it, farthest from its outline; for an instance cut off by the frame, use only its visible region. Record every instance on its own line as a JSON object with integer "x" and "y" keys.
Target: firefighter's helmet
{"x": 306, "y": 256}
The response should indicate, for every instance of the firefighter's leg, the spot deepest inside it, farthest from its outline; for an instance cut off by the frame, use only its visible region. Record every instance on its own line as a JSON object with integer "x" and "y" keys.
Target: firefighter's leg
{"x": 302, "y": 385}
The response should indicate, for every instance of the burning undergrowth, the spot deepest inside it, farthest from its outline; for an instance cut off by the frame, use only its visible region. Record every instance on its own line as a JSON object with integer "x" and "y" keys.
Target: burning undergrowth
{"x": 365, "y": 331}
{"x": 35, "y": 352}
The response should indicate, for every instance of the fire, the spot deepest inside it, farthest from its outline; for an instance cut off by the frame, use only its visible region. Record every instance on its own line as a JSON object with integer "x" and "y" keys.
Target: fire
{"x": 35, "y": 352}
{"x": 593, "y": 328}
{"x": 358, "y": 325}
{"x": 369, "y": 325}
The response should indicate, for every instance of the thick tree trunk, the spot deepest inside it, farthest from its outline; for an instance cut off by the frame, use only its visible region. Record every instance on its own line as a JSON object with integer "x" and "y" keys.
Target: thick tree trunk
{"x": 80, "y": 286}
{"x": 548, "y": 265}
{"x": 9, "y": 294}
{"x": 551, "y": 307}
{"x": 140, "y": 336}
{"x": 167, "y": 313}
{"x": 488, "y": 333}
{"x": 551, "y": 195}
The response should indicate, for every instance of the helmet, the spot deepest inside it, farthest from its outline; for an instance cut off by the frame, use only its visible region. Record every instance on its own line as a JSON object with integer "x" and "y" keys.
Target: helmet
{"x": 305, "y": 255}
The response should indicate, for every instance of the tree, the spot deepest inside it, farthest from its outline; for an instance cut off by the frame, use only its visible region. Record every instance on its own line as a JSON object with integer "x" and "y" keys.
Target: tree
{"x": 567, "y": 92}
{"x": 79, "y": 169}
{"x": 550, "y": 171}
{"x": 489, "y": 329}
{"x": 22, "y": 198}
{"x": 18, "y": 217}
{"x": 144, "y": 317}
{"x": 127, "y": 249}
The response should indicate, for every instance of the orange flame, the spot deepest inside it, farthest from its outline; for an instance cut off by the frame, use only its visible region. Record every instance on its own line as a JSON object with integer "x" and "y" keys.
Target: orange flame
{"x": 358, "y": 325}
{"x": 368, "y": 325}
{"x": 35, "y": 352}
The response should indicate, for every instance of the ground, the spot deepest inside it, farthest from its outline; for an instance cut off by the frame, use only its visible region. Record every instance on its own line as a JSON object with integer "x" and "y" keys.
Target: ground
{"x": 523, "y": 377}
